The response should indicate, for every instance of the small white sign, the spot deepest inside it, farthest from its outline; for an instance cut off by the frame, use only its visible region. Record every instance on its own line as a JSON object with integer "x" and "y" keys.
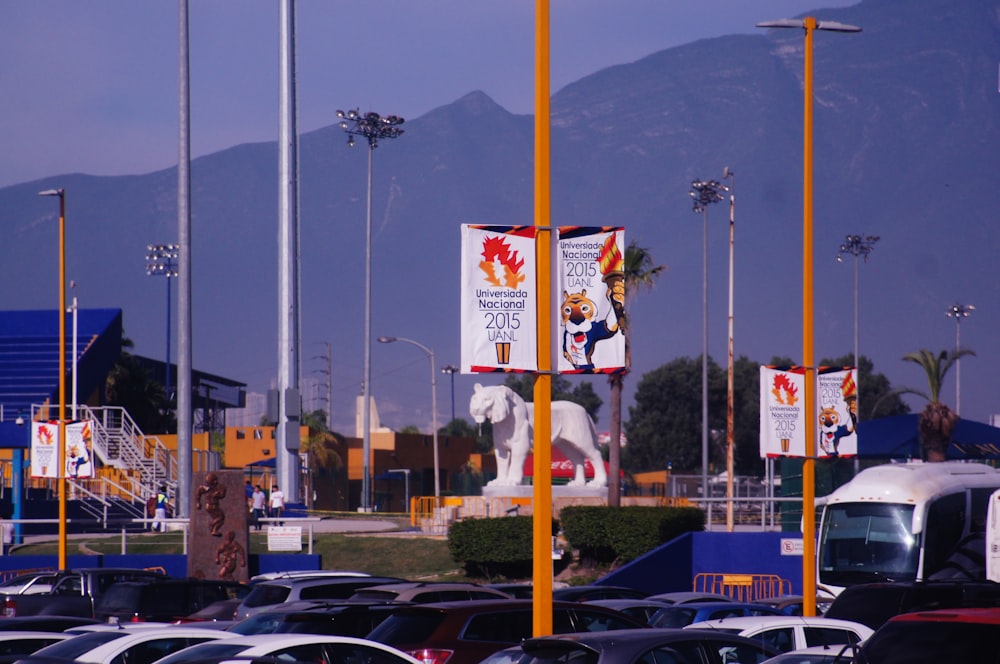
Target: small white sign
{"x": 791, "y": 547}
{"x": 284, "y": 538}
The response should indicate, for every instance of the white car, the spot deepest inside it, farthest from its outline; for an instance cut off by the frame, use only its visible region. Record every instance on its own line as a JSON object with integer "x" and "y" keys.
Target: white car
{"x": 17, "y": 642}
{"x": 786, "y": 633}
{"x": 293, "y": 648}
{"x": 130, "y": 646}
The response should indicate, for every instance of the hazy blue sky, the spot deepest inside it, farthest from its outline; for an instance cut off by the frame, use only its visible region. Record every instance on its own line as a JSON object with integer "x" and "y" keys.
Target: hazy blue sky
{"x": 91, "y": 86}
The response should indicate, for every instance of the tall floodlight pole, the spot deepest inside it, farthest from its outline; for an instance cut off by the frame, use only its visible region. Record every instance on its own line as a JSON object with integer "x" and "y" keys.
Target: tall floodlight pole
{"x": 958, "y": 312}
{"x": 289, "y": 401}
{"x": 434, "y": 420}
{"x": 185, "y": 353}
{"x": 451, "y": 370}
{"x": 704, "y": 193}
{"x": 730, "y": 384}
{"x": 373, "y": 128}
{"x": 161, "y": 259}
{"x": 809, "y": 25}
{"x": 61, "y": 447}
{"x": 859, "y": 246}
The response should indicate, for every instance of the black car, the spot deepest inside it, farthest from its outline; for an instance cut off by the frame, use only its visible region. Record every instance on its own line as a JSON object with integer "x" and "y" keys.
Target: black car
{"x": 163, "y": 601}
{"x": 354, "y": 619}
{"x": 646, "y": 646}
{"x": 588, "y": 593}
{"x": 873, "y": 604}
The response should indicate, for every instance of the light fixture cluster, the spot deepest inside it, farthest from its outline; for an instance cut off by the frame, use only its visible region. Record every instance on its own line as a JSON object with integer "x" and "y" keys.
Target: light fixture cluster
{"x": 959, "y": 311}
{"x": 706, "y": 192}
{"x": 161, "y": 259}
{"x": 857, "y": 245}
{"x": 371, "y": 125}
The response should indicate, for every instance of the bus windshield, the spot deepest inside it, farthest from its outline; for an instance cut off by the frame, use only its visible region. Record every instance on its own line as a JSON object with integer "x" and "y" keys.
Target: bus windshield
{"x": 865, "y": 542}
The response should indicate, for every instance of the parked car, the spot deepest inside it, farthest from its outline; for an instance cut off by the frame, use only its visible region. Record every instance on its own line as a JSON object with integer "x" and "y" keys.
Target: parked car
{"x": 125, "y": 646}
{"x": 689, "y": 597}
{"x": 268, "y": 594}
{"x": 74, "y": 592}
{"x": 784, "y": 633}
{"x": 467, "y": 631}
{"x": 523, "y": 590}
{"x": 43, "y": 623}
{"x": 304, "y": 574}
{"x": 835, "y": 654}
{"x": 923, "y": 637}
{"x": 25, "y": 642}
{"x": 791, "y": 605}
{"x": 662, "y": 646}
{"x": 423, "y": 592}
{"x": 354, "y": 619}
{"x": 30, "y": 583}
{"x": 588, "y": 593}
{"x": 640, "y": 609}
{"x": 875, "y": 603}
{"x": 292, "y": 648}
{"x": 163, "y": 600}
{"x": 682, "y": 615}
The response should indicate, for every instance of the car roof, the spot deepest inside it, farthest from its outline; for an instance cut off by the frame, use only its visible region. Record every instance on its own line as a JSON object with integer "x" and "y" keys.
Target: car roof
{"x": 11, "y": 635}
{"x": 309, "y": 581}
{"x": 987, "y": 615}
{"x": 635, "y": 638}
{"x": 302, "y": 573}
{"x": 260, "y": 643}
{"x": 749, "y": 622}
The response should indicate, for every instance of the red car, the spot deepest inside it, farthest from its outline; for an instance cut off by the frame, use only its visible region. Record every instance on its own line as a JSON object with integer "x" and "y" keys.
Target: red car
{"x": 943, "y": 635}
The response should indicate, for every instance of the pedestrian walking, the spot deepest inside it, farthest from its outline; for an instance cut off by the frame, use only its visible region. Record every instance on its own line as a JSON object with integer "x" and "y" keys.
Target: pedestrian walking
{"x": 160, "y": 511}
{"x": 277, "y": 504}
{"x": 257, "y": 502}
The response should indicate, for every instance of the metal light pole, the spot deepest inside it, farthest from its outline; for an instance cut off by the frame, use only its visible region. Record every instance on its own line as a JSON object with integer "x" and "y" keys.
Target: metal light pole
{"x": 372, "y": 127}
{"x": 704, "y": 193}
{"x": 809, "y": 25}
{"x": 451, "y": 370}
{"x": 61, "y": 451}
{"x": 857, "y": 246}
{"x": 730, "y": 385}
{"x": 161, "y": 259}
{"x": 958, "y": 312}
{"x": 434, "y": 421}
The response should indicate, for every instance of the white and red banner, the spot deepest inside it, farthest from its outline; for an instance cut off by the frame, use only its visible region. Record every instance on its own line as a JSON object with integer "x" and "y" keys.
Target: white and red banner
{"x": 783, "y": 419}
{"x": 591, "y": 294}
{"x": 77, "y": 454}
{"x": 499, "y": 299}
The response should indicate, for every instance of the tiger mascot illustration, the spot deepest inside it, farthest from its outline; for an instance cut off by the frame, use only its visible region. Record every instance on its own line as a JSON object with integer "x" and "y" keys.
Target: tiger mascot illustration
{"x": 581, "y": 330}
{"x": 831, "y": 430}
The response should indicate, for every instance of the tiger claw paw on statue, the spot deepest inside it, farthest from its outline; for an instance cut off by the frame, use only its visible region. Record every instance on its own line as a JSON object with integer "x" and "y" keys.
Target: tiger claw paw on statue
{"x": 573, "y": 434}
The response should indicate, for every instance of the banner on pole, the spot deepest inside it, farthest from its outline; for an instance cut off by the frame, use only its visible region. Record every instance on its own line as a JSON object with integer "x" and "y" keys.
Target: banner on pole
{"x": 591, "y": 264}
{"x": 77, "y": 455}
{"x": 499, "y": 297}
{"x": 783, "y": 419}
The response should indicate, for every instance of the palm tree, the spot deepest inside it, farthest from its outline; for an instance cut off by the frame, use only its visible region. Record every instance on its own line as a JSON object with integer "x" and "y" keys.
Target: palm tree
{"x": 936, "y": 419}
{"x": 320, "y": 447}
{"x": 640, "y": 273}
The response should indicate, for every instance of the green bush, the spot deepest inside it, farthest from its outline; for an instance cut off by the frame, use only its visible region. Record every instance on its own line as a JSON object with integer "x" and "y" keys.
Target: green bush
{"x": 494, "y": 548}
{"x": 605, "y": 535}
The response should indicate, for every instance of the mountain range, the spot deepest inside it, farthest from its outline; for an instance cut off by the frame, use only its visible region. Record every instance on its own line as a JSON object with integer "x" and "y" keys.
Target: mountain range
{"x": 905, "y": 143}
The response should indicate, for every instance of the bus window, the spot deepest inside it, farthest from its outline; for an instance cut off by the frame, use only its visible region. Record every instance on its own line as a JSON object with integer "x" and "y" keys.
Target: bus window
{"x": 863, "y": 542}
{"x": 943, "y": 530}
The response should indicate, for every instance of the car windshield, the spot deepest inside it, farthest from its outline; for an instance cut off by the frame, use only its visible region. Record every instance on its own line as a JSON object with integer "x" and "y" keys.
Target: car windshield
{"x": 266, "y": 594}
{"x": 406, "y": 627}
{"x": 261, "y": 623}
{"x": 864, "y": 542}
{"x": 78, "y": 645}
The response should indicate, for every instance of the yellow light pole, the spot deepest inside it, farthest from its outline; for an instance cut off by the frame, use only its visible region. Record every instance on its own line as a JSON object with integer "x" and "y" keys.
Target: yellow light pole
{"x": 61, "y": 447}
{"x": 542, "y": 520}
{"x": 809, "y": 24}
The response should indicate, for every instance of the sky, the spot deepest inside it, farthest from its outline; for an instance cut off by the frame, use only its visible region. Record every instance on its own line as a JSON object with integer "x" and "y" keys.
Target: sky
{"x": 92, "y": 87}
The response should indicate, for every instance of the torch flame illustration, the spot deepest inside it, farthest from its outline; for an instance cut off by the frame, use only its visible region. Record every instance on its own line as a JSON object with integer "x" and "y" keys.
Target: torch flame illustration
{"x": 612, "y": 266}
{"x": 45, "y": 436}
{"x": 784, "y": 390}
{"x": 500, "y": 265}
{"x": 849, "y": 389}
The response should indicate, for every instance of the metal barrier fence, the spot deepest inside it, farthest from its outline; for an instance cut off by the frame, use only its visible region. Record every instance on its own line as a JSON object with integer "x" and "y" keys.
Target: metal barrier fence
{"x": 743, "y": 587}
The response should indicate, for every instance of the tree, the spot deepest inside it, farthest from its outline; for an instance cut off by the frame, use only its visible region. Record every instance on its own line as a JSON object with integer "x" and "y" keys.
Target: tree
{"x": 320, "y": 447}
{"x": 458, "y": 427}
{"x": 936, "y": 419}
{"x": 640, "y": 273}
{"x": 129, "y": 386}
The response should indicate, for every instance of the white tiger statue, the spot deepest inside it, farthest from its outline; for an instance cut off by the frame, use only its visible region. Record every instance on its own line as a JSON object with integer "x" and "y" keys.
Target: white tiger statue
{"x": 572, "y": 432}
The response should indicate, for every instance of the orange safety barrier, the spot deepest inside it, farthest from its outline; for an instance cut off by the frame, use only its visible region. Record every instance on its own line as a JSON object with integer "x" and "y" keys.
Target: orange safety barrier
{"x": 743, "y": 587}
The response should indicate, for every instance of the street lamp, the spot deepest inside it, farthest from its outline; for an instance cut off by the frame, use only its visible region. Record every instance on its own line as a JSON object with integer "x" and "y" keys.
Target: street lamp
{"x": 372, "y": 127}
{"x": 451, "y": 370}
{"x": 61, "y": 451}
{"x": 434, "y": 421}
{"x": 161, "y": 259}
{"x": 857, "y": 246}
{"x": 704, "y": 194}
{"x": 809, "y": 25}
{"x": 958, "y": 312}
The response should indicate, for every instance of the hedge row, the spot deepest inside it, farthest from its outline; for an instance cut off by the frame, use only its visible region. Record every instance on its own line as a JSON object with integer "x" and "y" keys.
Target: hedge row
{"x": 503, "y": 547}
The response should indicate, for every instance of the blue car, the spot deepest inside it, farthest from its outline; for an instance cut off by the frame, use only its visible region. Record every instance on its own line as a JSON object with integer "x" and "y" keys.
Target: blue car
{"x": 681, "y": 615}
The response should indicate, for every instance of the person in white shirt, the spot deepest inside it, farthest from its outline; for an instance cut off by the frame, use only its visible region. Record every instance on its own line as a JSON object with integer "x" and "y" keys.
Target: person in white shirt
{"x": 277, "y": 504}
{"x": 257, "y": 501}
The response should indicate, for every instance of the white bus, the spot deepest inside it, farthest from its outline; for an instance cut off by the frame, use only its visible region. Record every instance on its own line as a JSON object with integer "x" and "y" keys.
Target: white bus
{"x": 906, "y": 522}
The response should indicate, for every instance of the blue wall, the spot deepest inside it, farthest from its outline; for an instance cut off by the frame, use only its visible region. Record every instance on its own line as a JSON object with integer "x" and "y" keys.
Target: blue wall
{"x": 174, "y": 564}
{"x": 673, "y": 566}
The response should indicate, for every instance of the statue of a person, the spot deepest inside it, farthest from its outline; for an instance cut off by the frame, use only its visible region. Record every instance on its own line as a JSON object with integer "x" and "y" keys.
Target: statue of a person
{"x": 213, "y": 493}
{"x": 228, "y": 555}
